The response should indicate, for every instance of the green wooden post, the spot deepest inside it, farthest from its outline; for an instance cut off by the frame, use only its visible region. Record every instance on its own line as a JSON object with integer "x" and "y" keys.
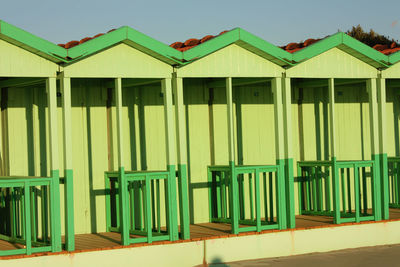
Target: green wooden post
{"x": 122, "y": 183}
{"x": 28, "y": 222}
{"x": 234, "y": 192}
{"x": 374, "y": 126}
{"x": 147, "y": 210}
{"x": 51, "y": 88}
{"x": 107, "y": 189}
{"x": 335, "y": 174}
{"x": 381, "y": 85}
{"x": 182, "y": 157}
{"x": 258, "y": 199}
{"x": 288, "y": 141}
{"x": 68, "y": 173}
{"x": 357, "y": 192}
{"x": 279, "y": 149}
{"x": 171, "y": 157}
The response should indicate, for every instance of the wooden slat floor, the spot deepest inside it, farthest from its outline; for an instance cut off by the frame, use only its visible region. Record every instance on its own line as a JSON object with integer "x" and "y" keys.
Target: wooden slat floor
{"x": 203, "y": 230}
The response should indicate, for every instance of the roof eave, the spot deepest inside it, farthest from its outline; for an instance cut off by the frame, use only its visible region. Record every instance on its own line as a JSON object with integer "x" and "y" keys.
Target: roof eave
{"x": 32, "y": 43}
{"x": 365, "y": 53}
{"x": 130, "y": 37}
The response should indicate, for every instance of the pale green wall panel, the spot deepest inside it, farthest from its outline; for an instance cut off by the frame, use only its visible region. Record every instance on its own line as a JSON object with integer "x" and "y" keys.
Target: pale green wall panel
{"x": 352, "y": 123}
{"x": 393, "y": 72}
{"x": 199, "y": 149}
{"x": 392, "y": 121}
{"x": 17, "y": 62}
{"x": 255, "y": 121}
{"x": 231, "y": 61}
{"x": 119, "y": 61}
{"x": 311, "y": 129}
{"x": 207, "y": 134}
{"x": 333, "y": 63}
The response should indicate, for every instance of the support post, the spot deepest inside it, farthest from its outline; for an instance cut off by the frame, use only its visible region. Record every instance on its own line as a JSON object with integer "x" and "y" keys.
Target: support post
{"x": 288, "y": 140}
{"x": 279, "y": 141}
{"x": 334, "y": 168}
{"x": 123, "y": 185}
{"x": 166, "y": 87}
{"x": 68, "y": 172}
{"x": 51, "y": 88}
{"x": 381, "y": 84}
{"x": 231, "y": 152}
{"x": 182, "y": 157}
{"x": 374, "y": 129}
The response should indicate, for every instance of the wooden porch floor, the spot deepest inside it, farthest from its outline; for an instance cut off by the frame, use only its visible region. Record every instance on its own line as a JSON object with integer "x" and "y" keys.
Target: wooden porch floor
{"x": 85, "y": 242}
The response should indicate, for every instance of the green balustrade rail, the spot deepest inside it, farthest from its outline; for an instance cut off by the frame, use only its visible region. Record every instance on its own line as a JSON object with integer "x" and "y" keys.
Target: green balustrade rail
{"x": 354, "y": 186}
{"x": 258, "y": 198}
{"x": 149, "y": 205}
{"x": 394, "y": 181}
{"x": 27, "y": 222}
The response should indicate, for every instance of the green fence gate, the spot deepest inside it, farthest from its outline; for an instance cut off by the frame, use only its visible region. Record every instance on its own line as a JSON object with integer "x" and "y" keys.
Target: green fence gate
{"x": 259, "y": 197}
{"x": 29, "y": 206}
{"x": 149, "y": 205}
{"x": 351, "y": 197}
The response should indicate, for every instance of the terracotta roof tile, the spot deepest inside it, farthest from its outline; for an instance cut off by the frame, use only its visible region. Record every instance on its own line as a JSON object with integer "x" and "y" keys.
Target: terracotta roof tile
{"x": 192, "y": 42}
{"x": 182, "y": 49}
{"x": 380, "y": 47}
{"x": 310, "y": 42}
{"x": 206, "y": 38}
{"x": 71, "y": 44}
{"x": 384, "y": 49}
{"x": 177, "y": 45}
{"x": 390, "y": 51}
{"x": 85, "y": 40}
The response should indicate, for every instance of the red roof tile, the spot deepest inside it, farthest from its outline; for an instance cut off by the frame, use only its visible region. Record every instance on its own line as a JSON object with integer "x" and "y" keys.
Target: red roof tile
{"x": 75, "y": 43}
{"x": 385, "y": 49}
{"x": 192, "y": 42}
{"x": 206, "y": 38}
{"x": 71, "y": 44}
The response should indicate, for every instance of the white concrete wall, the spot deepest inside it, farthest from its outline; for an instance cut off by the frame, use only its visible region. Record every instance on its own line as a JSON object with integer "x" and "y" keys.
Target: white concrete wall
{"x": 245, "y": 247}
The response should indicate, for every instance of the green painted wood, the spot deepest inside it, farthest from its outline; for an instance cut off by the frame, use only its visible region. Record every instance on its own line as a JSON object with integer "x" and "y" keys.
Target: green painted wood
{"x": 166, "y": 86}
{"x": 182, "y": 157}
{"x": 31, "y": 42}
{"x": 54, "y": 165}
{"x": 224, "y": 63}
{"x": 65, "y": 85}
{"x": 117, "y": 61}
{"x": 333, "y": 63}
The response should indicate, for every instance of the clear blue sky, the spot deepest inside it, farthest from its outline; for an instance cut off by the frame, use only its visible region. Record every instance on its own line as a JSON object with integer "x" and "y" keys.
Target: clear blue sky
{"x": 278, "y": 22}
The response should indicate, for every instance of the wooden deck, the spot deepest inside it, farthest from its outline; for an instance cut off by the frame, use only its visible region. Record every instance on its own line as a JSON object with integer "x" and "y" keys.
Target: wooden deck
{"x": 85, "y": 242}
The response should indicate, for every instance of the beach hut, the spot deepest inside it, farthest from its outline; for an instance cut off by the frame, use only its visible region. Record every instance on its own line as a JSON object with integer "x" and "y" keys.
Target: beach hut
{"x": 122, "y": 141}
{"x": 230, "y": 127}
{"x": 336, "y": 129}
{"x": 30, "y": 217}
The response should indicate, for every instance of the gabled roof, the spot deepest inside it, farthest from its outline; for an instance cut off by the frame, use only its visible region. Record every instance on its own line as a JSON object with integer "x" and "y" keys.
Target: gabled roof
{"x": 172, "y": 56}
{"x": 394, "y": 58}
{"x": 129, "y": 36}
{"x": 32, "y": 43}
{"x": 58, "y": 54}
{"x": 244, "y": 39}
{"x": 347, "y": 44}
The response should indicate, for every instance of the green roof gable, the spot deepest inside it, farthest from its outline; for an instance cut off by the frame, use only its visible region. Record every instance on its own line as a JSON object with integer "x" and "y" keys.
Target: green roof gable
{"x": 347, "y": 44}
{"x": 243, "y": 39}
{"x": 32, "y": 43}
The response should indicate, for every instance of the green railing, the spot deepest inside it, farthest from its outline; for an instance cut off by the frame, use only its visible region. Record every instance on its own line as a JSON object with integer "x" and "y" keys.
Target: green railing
{"x": 149, "y": 205}
{"x": 354, "y": 188}
{"x": 27, "y": 204}
{"x": 394, "y": 181}
{"x": 258, "y": 199}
